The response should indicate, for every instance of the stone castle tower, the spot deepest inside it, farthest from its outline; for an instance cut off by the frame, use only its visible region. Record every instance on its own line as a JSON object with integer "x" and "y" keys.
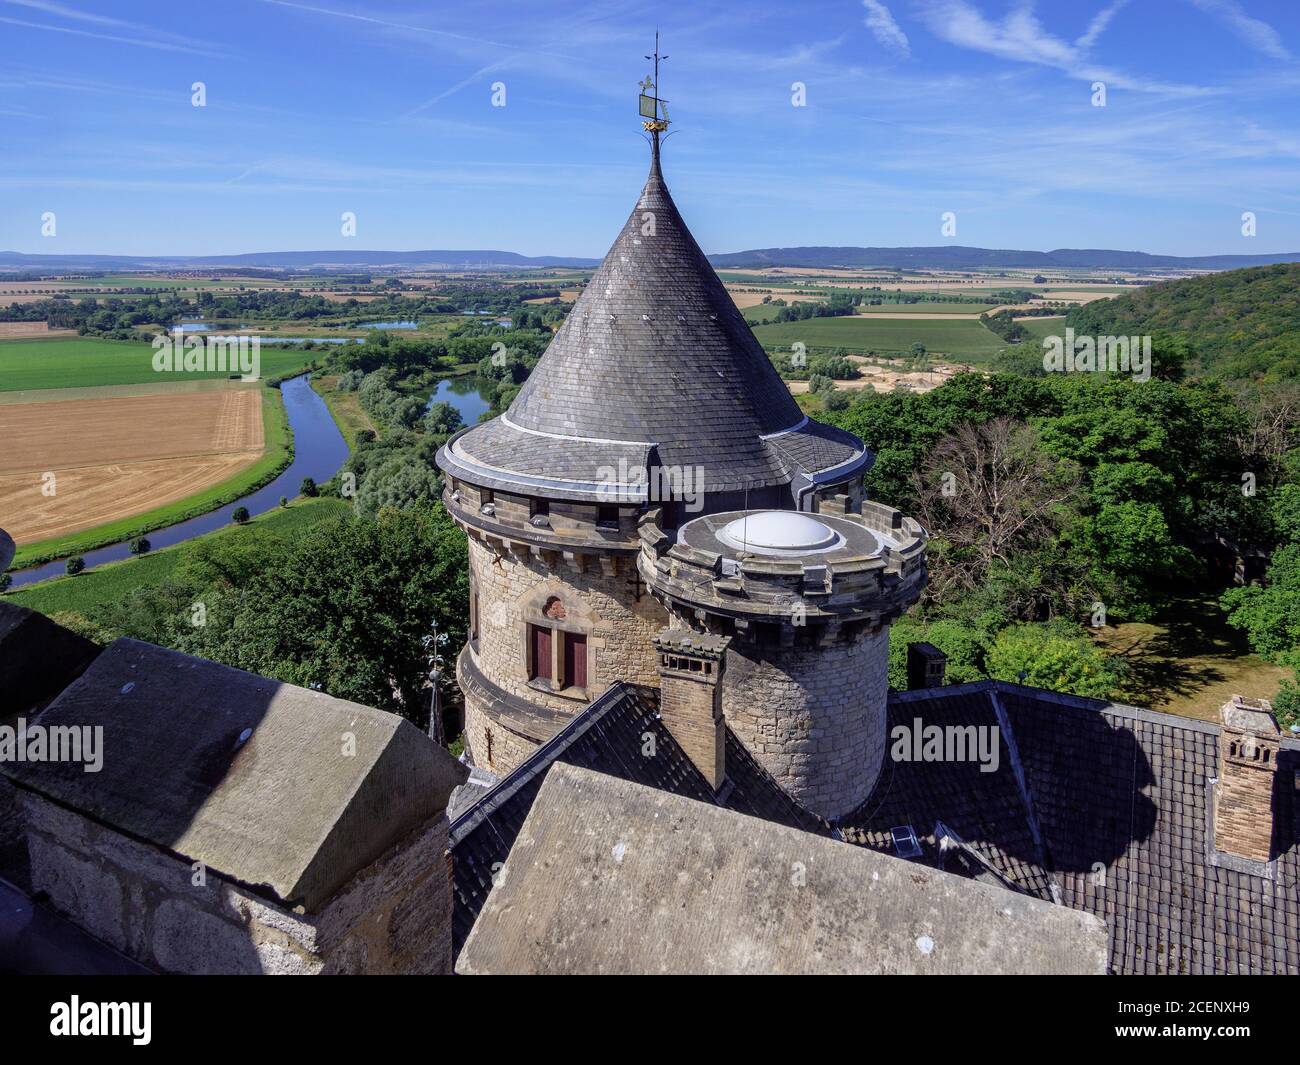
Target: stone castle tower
{"x": 654, "y": 508}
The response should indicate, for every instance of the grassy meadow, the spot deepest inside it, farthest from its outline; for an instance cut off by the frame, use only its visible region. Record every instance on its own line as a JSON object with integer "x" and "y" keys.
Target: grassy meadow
{"x": 83, "y": 362}
{"x": 344, "y": 407}
{"x": 1038, "y": 328}
{"x": 106, "y": 584}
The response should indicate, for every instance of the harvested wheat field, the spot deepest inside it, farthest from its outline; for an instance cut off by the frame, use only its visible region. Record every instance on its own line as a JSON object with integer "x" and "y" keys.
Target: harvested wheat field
{"x": 114, "y": 457}
{"x": 28, "y": 330}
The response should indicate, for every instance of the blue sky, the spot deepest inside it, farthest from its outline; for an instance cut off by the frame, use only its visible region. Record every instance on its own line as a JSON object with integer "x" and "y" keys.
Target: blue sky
{"x": 384, "y": 108}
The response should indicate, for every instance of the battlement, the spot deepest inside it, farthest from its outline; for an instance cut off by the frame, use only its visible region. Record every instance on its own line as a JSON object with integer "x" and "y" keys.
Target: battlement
{"x": 841, "y": 568}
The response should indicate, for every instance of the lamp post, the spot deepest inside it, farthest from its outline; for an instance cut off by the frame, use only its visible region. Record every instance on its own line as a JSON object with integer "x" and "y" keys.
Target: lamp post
{"x": 433, "y": 645}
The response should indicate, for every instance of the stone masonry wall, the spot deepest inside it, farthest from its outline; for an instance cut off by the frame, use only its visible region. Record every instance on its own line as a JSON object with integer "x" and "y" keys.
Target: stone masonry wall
{"x": 503, "y": 751}
{"x": 393, "y": 917}
{"x": 813, "y": 716}
{"x": 599, "y": 599}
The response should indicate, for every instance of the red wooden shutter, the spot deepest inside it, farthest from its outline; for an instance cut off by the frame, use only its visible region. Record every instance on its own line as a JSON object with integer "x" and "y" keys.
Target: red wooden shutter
{"x": 575, "y": 659}
{"x": 541, "y": 652}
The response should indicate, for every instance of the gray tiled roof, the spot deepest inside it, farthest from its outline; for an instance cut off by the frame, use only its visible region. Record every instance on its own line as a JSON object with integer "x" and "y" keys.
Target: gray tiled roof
{"x": 496, "y": 455}
{"x": 610, "y": 737}
{"x": 1094, "y": 805}
{"x": 655, "y": 355}
{"x": 1103, "y": 808}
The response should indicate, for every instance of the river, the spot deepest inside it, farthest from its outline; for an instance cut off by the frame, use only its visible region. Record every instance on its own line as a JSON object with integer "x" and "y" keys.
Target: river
{"x": 318, "y": 452}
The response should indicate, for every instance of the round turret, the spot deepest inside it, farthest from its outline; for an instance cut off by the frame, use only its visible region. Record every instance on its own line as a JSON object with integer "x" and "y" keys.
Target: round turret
{"x": 806, "y": 602}
{"x": 653, "y": 396}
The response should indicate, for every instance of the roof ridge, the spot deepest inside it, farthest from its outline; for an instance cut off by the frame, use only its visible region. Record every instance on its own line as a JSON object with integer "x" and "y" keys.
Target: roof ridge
{"x": 1077, "y": 702}
{"x": 542, "y": 756}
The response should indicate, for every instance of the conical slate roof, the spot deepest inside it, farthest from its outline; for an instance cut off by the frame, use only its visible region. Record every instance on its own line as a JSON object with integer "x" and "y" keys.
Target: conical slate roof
{"x": 653, "y": 366}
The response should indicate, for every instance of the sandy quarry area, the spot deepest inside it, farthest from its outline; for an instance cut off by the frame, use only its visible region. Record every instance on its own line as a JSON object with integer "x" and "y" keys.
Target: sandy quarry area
{"x": 882, "y": 379}
{"x": 117, "y": 456}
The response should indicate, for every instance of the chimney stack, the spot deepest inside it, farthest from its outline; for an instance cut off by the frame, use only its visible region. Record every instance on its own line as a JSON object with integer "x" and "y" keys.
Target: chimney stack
{"x": 690, "y": 698}
{"x": 925, "y": 666}
{"x": 1249, "y": 740}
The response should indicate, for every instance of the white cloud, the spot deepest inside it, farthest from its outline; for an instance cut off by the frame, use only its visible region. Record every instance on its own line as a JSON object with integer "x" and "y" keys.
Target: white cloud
{"x": 1020, "y": 37}
{"x": 1099, "y": 23}
{"x": 1255, "y": 32}
{"x": 883, "y": 27}
{"x": 142, "y": 34}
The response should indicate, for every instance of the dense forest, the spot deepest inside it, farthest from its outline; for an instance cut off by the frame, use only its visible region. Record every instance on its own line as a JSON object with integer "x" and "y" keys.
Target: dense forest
{"x": 1241, "y": 324}
{"x": 1063, "y": 502}
{"x": 1059, "y": 502}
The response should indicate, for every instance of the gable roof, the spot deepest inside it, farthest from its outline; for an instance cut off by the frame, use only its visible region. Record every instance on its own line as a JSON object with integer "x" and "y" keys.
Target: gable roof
{"x": 654, "y": 365}
{"x": 287, "y": 809}
{"x": 1094, "y": 805}
{"x": 619, "y": 734}
{"x": 609, "y": 876}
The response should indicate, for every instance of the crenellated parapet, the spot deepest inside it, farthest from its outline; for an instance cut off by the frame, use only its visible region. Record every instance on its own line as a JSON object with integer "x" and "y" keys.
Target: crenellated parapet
{"x": 734, "y": 569}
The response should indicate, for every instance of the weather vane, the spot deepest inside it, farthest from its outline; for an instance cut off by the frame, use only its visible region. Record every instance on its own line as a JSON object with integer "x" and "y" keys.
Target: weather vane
{"x": 653, "y": 105}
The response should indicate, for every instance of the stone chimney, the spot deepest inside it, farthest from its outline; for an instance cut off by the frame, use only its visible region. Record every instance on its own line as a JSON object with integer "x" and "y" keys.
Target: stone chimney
{"x": 690, "y": 697}
{"x": 925, "y": 666}
{"x": 1249, "y": 740}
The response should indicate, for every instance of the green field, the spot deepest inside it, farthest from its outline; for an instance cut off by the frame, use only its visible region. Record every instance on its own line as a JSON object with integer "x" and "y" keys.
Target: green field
{"x": 113, "y": 582}
{"x": 958, "y": 338}
{"x": 88, "y": 361}
{"x": 148, "y": 281}
{"x": 761, "y": 312}
{"x": 279, "y": 453}
{"x": 344, "y": 408}
{"x": 1044, "y": 327}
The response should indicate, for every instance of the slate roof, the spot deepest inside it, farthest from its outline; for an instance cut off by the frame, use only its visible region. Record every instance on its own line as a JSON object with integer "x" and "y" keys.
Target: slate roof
{"x": 653, "y": 362}
{"x": 26, "y": 639}
{"x": 1095, "y": 805}
{"x": 1102, "y": 807}
{"x": 612, "y": 736}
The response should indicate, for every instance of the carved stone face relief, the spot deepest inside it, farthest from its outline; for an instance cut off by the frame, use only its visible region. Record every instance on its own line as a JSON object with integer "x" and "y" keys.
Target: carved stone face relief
{"x": 554, "y": 609}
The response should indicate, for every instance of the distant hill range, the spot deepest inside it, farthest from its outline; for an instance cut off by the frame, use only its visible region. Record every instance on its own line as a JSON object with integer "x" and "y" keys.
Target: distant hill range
{"x": 944, "y": 257}
{"x": 295, "y": 260}
{"x": 956, "y": 257}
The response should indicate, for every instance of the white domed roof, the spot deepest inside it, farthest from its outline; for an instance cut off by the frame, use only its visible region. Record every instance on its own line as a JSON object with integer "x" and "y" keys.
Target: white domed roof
{"x": 779, "y": 532}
